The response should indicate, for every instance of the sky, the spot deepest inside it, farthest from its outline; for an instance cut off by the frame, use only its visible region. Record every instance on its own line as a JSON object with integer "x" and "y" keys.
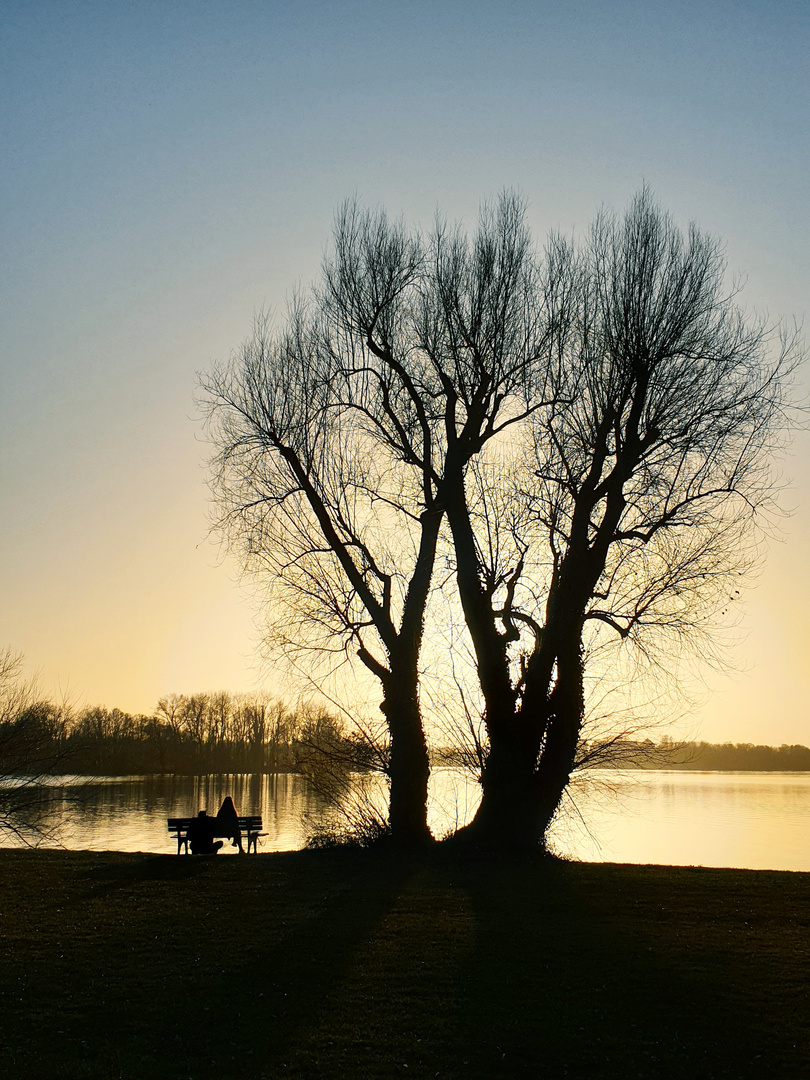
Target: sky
{"x": 167, "y": 169}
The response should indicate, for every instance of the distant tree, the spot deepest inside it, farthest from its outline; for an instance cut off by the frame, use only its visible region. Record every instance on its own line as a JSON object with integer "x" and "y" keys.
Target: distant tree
{"x": 33, "y": 746}
{"x": 737, "y": 756}
{"x": 169, "y": 711}
{"x": 223, "y": 731}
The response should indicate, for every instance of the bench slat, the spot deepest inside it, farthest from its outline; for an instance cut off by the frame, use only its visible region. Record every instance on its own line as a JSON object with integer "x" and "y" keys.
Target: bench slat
{"x": 245, "y": 823}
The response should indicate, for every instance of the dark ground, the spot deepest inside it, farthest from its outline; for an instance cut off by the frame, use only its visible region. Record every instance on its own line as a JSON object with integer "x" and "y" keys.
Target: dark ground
{"x": 347, "y": 964}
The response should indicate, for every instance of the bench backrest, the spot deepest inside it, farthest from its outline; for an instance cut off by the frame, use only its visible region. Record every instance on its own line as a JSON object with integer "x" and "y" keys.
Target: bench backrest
{"x": 249, "y": 822}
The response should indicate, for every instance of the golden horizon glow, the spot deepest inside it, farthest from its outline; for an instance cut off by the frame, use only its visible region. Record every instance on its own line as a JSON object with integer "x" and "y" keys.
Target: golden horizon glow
{"x": 166, "y": 178}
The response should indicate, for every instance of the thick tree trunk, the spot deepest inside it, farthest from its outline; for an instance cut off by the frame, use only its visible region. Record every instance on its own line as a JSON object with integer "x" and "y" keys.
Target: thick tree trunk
{"x": 409, "y": 768}
{"x": 409, "y": 763}
{"x": 530, "y": 764}
{"x": 562, "y": 739}
{"x": 505, "y": 817}
{"x": 532, "y": 743}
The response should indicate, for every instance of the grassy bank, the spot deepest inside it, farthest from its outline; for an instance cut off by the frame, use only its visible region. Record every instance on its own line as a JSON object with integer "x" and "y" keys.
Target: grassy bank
{"x": 338, "y": 964}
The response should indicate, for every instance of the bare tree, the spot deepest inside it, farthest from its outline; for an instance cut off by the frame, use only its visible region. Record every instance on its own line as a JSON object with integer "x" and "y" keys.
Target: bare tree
{"x": 637, "y": 511}
{"x": 595, "y": 427}
{"x": 32, "y": 748}
{"x": 341, "y": 440}
{"x": 345, "y": 533}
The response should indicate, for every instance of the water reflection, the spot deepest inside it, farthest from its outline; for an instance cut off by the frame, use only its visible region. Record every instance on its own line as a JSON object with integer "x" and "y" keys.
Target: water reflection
{"x": 129, "y": 813}
{"x": 757, "y": 821}
{"x": 753, "y": 820}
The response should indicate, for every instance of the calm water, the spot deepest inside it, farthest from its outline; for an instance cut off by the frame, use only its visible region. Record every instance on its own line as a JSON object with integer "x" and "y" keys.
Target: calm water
{"x": 752, "y": 820}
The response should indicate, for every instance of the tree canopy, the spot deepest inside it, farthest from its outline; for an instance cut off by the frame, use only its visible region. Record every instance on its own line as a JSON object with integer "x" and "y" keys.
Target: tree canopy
{"x": 583, "y": 435}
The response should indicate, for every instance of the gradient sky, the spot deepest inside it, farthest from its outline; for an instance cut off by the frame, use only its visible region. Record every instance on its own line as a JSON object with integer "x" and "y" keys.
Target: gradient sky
{"x": 168, "y": 168}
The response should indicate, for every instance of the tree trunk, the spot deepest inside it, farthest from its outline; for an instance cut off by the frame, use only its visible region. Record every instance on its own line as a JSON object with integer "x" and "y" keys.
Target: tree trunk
{"x": 562, "y": 739}
{"x": 505, "y": 817}
{"x": 410, "y": 766}
{"x": 530, "y": 764}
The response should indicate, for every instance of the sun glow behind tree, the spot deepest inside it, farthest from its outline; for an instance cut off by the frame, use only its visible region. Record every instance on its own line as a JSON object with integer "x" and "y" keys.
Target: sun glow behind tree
{"x": 584, "y": 437}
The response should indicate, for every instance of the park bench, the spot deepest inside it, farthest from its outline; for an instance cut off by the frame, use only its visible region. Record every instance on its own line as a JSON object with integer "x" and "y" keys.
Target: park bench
{"x": 250, "y": 827}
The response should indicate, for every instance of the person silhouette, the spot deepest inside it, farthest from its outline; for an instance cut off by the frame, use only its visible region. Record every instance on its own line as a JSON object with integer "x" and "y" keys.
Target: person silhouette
{"x": 228, "y": 824}
{"x": 201, "y": 834}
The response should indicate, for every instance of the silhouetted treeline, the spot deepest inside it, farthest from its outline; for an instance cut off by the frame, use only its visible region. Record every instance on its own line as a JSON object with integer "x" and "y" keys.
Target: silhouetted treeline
{"x": 668, "y": 754}
{"x": 702, "y": 756}
{"x": 224, "y": 732}
{"x": 186, "y": 734}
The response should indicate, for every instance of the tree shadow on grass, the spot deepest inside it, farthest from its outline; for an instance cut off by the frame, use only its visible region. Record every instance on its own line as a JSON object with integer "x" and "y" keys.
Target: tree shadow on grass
{"x": 562, "y": 984}
{"x": 264, "y": 969}
{"x": 187, "y": 967}
{"x": 336, "y": 964}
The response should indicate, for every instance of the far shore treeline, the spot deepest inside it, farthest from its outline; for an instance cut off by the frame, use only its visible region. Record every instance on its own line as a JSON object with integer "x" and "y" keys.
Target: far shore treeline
{"x": 223, "y": 732}
{"x": 196, "y": 733}
{"x": 711, "y": 757}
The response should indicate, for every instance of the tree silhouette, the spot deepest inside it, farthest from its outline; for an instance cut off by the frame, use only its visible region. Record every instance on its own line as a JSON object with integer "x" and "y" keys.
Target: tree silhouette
{"x": 636, "y": 514}
{"x": 584, "y": 435}
{"x": 339, "y": 438}
{"x": 33, "y": 746}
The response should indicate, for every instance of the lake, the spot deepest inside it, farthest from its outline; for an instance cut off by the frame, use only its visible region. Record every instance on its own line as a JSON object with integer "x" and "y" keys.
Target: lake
{"x": 742, "y": 819}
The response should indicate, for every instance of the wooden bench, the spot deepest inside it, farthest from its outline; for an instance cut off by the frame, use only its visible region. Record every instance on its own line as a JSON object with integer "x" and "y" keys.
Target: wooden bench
{"x": 250, "y": 827}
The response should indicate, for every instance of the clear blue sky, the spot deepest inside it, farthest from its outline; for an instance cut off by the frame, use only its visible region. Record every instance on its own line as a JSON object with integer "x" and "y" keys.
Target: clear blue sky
{"x": 168, "y": 168}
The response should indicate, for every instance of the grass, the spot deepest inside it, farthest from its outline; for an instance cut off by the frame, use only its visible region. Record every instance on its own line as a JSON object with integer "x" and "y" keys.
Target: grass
{"x": 359, "y": 965}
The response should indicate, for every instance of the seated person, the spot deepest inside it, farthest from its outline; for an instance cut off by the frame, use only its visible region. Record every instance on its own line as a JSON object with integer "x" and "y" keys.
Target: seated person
{"x": 227, "y": 823}
{"x": 201, "y": 834}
